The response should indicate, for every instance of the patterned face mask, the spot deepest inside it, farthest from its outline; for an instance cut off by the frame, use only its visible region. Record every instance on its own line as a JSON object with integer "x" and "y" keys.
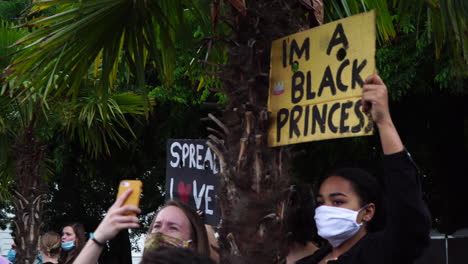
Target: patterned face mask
{"x": 158, "y": 239}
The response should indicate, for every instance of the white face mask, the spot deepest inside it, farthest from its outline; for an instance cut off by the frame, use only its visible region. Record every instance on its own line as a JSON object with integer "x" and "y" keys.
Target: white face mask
{"x": 336, "y": 224}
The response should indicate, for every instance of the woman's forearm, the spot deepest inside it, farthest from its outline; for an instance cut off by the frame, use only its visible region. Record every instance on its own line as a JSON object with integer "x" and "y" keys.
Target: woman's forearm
{"x": 89, "y": 254}
{"x": 389, "y": 138}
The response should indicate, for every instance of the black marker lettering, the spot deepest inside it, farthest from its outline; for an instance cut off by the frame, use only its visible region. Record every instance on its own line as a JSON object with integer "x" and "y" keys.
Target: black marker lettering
{"x": 297, "y": 87}
{"x": 281, "y": 120}
{"x": 332, "y": 127}
{"x": 339, "y": 83}
{"x": 318, "y": 118}
{"x": 327, "y": 80}
{"x": 306, "y": 120}
{"x": 295, "y": 50}
{"x": 356, "y": 78}
{"x": 357, "y": 110}
{"x": 339, "y": 37}
{"x": 293, "y": 128}
{"x": 310, "y": 93}
{"x": 344, "y": 116}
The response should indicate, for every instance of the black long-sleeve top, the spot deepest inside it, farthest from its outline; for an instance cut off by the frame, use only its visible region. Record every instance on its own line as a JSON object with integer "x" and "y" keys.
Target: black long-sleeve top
{"x": 408, "y": 221}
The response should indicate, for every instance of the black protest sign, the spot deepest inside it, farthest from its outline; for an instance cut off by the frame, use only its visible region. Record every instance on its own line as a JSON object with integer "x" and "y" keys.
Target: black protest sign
{"x": 191, "y": 176}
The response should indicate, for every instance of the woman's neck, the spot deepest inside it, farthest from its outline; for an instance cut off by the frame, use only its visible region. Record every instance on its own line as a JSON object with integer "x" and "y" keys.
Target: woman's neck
{"x": 348, "y": 244}
{"x": 46, "y": 258}
{"x": 298, "y": 251}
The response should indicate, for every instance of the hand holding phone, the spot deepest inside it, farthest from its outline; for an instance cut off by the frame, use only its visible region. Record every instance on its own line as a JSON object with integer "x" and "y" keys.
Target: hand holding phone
{"x": 134, "y": 198}
{"x": 122, "y": 214}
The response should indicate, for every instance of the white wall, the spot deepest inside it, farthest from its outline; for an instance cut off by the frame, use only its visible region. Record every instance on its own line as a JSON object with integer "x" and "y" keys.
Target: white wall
{"x": 136, "y": 256}
{"x": 5, "y": 241}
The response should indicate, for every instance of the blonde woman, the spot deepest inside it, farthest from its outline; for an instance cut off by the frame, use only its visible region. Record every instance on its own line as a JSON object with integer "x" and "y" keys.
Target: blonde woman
{"x": 49, "y": 247}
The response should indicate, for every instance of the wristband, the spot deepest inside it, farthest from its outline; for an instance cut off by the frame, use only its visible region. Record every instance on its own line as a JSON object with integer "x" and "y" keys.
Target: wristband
{"x": 99, "y": 243}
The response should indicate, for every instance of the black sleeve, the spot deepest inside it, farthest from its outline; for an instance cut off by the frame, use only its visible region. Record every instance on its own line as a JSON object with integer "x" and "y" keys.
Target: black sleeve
{"x": 408, "y": 224}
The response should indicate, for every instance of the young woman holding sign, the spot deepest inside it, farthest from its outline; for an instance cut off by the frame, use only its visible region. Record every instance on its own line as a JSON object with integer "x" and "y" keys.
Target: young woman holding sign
{"x": 350, "y": 201}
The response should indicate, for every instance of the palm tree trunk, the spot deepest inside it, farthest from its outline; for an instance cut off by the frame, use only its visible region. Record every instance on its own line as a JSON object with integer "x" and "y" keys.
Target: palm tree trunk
{"x": 28, "y": 198}
{"x": 254, "y": 177}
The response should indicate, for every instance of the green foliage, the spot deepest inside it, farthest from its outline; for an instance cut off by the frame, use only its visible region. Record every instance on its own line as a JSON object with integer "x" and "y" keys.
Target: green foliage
{"x": 103, "y": 33}
{"x": 413, "y": 27}
{"x": 192, "y": 86}
{"x": 13, "y": 9}
{"x": 440, "y": 22}
{"x": 337, "y": 9}
{"x": 8, "y": 36}
{"x": 192, "y": 82}
{"x": 402, "y": 64}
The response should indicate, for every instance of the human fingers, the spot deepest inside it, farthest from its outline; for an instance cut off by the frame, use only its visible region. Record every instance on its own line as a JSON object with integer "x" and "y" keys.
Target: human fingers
{"x": 371, "y": 87}
{"x": 124, "y": 219}
{"x": 127, "y": 225}
{"x": 127, "y": 209}
{"x": 368, "y": 94}
{"x": 375, "y": 101}
{"x": 372, "y": 97}
{"x": 373, "y": 79}
{"x": 113, "y": 223}
{"x": 376, "y": 93}
{"x": 121, "y": 222}
{"x": 120, "y": 200}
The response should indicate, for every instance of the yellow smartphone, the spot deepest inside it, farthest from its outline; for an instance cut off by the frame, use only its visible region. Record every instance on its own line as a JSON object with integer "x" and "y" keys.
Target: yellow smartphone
{"x": 134, "y": 198}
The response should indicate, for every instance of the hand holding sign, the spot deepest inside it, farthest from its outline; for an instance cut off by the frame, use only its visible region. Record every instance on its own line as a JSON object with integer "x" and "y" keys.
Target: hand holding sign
{"x": 375, "y": 99}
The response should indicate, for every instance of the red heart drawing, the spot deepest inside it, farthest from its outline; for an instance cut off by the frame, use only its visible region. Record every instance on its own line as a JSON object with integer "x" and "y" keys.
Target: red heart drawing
{"x": 184, "y": 191}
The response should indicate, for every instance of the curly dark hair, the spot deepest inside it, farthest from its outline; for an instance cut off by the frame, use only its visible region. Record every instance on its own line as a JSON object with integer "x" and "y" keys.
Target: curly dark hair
{"x": 368, "y": 190}
{"x": 299, "y": 217}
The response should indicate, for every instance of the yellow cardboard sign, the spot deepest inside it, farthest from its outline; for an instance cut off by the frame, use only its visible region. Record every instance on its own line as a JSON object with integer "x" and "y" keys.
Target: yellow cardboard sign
{"x": 316, "y": 79}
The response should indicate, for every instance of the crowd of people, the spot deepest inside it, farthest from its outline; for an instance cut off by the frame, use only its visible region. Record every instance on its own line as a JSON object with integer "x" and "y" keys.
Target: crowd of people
{"x": 352, "y": 218}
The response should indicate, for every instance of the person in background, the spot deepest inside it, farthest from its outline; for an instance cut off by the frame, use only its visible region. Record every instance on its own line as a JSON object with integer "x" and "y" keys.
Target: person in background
{"x": 73, "y": 241}
{"x": 12, "y": 254}
{"x": 300, "y": 224}
{"x": 175, "y": 225}
{"x": 213, "y": 242}
{"x": 212, "y": 239}
{"x": 49, "y": 248}
{"x": 38, "y": 259}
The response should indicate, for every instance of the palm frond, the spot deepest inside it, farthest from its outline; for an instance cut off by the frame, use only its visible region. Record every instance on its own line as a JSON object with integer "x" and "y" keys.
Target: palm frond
{"x": 337, "y": 9}
{"x": 443, "y": 21}
{"x": 67, "y": 44}
{"x": 8, "y": 36}
{"x": 84, "y": 120}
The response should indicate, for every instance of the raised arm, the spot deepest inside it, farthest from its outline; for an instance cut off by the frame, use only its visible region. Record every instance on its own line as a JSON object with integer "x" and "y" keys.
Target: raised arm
{"x": 375, "y": 100}
{"x": 408, "y": 223}
{"x": 114, "y": 221}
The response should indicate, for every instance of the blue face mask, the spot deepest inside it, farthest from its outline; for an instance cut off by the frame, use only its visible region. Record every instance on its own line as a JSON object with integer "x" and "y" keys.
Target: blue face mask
{"x": 39, "y": 257}
{"x": 12, "y": 255}
{"x": 68, "y": 245}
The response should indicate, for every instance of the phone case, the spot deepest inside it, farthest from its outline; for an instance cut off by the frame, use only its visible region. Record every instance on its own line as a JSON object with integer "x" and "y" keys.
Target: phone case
{"x": 134, "y": 198}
